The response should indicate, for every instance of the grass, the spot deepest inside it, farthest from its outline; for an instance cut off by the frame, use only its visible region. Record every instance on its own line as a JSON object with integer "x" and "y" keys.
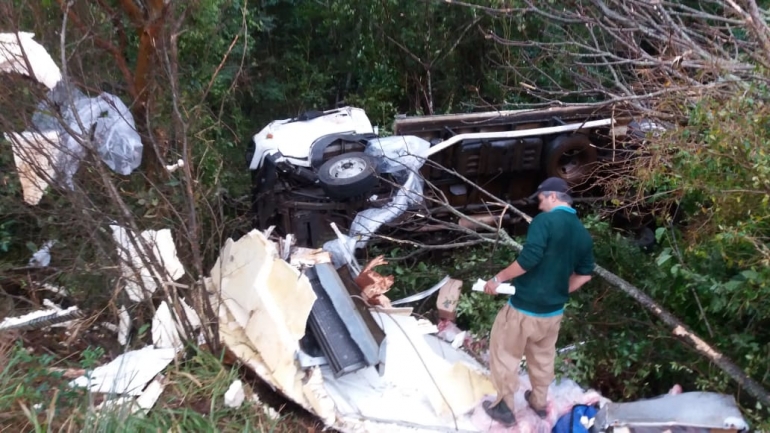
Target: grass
{"x": 33, "y": 398}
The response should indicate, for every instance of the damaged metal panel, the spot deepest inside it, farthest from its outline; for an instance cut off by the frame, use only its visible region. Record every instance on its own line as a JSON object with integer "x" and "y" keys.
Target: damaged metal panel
{"x": 355, "y": 293}
{"x": 705, "y": 410}
{"x": 337, "y": 325}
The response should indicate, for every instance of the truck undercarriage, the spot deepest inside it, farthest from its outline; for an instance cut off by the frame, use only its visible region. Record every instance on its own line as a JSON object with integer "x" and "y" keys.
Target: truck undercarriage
{"x": 469, "y": 157}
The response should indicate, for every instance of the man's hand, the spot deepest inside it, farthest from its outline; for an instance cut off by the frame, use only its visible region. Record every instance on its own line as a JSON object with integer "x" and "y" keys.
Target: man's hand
{"x": 491, "y": 287}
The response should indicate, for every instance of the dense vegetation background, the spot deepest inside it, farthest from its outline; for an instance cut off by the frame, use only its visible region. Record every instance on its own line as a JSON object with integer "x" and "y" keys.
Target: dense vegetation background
{"x": 202, "y": 76}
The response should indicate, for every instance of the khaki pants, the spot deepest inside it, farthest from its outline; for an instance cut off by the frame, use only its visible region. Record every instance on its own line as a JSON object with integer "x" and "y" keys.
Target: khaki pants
{"x": 515, "y": 334}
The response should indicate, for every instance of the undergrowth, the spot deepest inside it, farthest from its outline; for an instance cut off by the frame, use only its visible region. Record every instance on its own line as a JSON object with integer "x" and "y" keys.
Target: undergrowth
{"x": 35, "y": 397}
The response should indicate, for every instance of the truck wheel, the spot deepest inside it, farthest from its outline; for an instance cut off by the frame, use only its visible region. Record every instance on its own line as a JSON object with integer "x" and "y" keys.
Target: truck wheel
{"x": 347, "y": 175}
{"x": 570, "y": 157}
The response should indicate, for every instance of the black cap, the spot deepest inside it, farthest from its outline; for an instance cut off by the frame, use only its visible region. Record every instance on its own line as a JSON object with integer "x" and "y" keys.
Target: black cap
{"x": 555, "y": 184}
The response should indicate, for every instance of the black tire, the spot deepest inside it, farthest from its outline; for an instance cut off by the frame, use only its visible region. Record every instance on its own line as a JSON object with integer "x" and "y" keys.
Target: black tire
{"x": 645, "y": 239}
{"x": 570, "y": 157}
{"x": 360, "y": 178}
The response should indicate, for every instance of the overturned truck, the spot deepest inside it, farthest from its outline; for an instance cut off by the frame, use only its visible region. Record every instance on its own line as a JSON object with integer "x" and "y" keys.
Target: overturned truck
{"x": 323, "y": 167}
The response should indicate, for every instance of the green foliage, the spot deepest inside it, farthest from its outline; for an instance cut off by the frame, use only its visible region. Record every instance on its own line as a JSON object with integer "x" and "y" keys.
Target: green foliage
{"x": 35, "y": 397}
{"x": 476, "y": 311}
{"x": 26, "y": 380}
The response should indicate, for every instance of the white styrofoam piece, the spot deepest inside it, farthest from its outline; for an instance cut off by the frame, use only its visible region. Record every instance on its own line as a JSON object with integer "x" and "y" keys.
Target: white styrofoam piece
{"x": 128, "y": 373}
{"x": 234, "y": 396}
{"x": 162, "y": 250}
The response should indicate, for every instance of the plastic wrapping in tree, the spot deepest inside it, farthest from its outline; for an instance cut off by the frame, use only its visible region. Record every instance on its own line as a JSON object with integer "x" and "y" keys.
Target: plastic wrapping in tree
{"x": 50, "y": 150}
{"x": 105, "y": 116}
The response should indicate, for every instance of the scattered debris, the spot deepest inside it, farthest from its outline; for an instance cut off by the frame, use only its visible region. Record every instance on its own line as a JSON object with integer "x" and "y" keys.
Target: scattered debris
{"x": 42, "y": 257}
{"x": 270, "y": 412}
{"x": 34, "y": 155}
{"x": 701, "y": 410}
{"x": 124, "y": 325}
{"x": 234, "y": 396}
{"x": 362, "y": 367}
{"x": 41, "y": 319}
{"x": 174, "y": 167}
{"x": 424, "y": 294}
{"x": 56, "y": 290}
{"x": 305, "y": 257}
{"x": 373, "y": 285}
{"x": 420, "y": 380}
{"x": 164, "y": 333}
{"x": 448, "y": 296}
{"x": 142, "y": 404}
{"x": 168, "y": 332}
{"x": 17, "y": 49}
{"x": 52, "y": 147}
{"x": 161, "y": 251}
{"x": 264, "y": 304}
{"x": 285, "y": 247}
{"x": 128, "y": 373}
{"x": 68, "y": 373}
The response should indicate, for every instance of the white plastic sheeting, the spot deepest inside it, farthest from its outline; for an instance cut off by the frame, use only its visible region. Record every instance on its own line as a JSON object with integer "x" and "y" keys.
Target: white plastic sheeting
{"x": 105, "y": 116}
{"x": 400, "y": 156}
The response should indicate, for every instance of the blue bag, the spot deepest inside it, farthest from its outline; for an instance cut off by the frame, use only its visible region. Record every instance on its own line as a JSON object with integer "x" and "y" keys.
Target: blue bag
{"x": 570, "y": 422}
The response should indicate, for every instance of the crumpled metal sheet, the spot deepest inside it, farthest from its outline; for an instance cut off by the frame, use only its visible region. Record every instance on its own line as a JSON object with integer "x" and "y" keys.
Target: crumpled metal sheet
{"x": 691, "y": 409}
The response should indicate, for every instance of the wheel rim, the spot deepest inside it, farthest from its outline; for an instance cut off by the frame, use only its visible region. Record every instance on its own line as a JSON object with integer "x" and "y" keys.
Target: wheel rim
{"x": 570, "y": 161}
{"x": 347, "y": 168}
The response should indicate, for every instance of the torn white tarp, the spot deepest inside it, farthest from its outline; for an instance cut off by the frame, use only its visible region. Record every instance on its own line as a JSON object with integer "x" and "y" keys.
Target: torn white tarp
{"x": 128, "y": 373}
{"x": 48, "y": 151}
{"x": 162, "y": 251}
{"x": 17, "y": 50}
{"x": 401, "y": 157}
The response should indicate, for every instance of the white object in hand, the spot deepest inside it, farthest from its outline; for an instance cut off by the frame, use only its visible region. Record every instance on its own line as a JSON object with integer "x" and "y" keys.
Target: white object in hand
{"x": 502, "y": 289}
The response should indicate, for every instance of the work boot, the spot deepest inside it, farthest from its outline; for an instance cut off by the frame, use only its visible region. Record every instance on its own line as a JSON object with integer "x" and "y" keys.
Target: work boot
{"x": 542, "y": 413}
{"x": 500, "y": 413}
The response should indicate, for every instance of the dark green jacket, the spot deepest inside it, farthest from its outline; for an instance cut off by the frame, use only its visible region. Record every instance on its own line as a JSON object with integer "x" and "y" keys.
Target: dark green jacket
{"x": 557, "y": 245}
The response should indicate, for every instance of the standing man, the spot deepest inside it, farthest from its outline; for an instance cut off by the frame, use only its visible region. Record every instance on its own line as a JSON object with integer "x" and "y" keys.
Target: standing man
{"x": 557, "y": 259}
